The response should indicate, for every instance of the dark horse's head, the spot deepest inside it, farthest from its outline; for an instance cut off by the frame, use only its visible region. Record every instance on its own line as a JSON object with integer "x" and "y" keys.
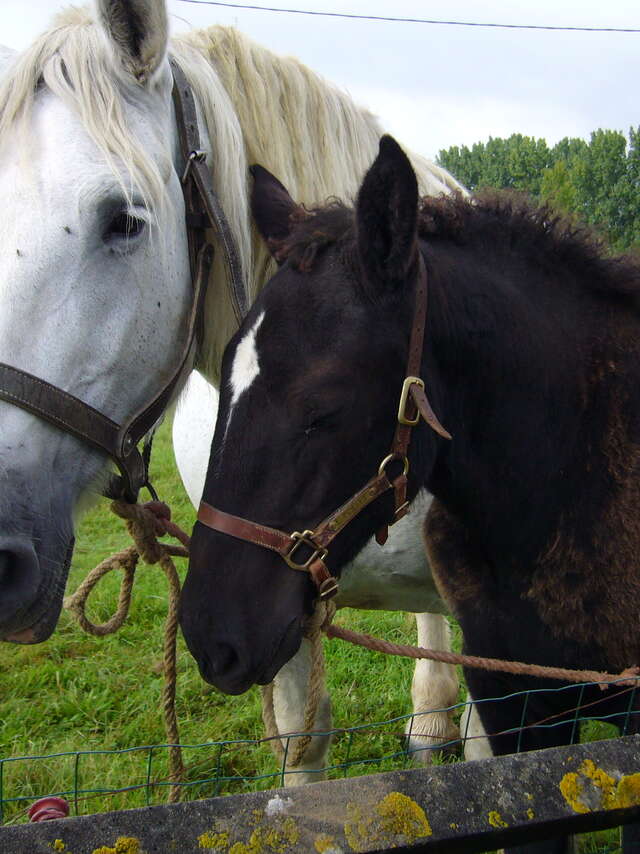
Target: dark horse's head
{"x": 308, "y": 409}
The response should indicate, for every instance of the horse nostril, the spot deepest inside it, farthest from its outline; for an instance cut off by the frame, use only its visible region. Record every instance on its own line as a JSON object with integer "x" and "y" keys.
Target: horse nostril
{"x": 19, "y": 577}
{"x": 223, "y": 659}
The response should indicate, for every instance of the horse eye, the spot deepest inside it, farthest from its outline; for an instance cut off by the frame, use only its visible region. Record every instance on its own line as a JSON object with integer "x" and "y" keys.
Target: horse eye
{"x": 322, "y": 422}
{"x": 124, "y": 226}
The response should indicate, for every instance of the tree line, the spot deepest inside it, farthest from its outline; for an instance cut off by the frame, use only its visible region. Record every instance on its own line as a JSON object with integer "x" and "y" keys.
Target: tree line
{"x": 597, "y": 182}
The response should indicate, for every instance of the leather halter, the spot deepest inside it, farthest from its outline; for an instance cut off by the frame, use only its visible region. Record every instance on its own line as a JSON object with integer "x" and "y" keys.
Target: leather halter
{"x": 413, "y": 405}
{"x": 69, "y": 413}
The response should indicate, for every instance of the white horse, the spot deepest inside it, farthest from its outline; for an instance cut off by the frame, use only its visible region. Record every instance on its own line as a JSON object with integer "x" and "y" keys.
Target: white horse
{"x": 96, "y": 282}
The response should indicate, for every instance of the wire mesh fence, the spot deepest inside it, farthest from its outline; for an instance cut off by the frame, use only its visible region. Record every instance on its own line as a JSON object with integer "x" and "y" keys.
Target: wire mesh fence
{"x": 139, "y": 776}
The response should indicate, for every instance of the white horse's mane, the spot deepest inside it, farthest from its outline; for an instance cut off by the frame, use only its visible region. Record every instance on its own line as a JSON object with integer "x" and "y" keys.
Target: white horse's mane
{"x": 258, "y": 108}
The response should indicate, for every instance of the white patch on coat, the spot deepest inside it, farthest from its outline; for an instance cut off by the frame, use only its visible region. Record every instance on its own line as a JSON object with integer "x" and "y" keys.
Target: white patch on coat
{"x": 246, "y": 366}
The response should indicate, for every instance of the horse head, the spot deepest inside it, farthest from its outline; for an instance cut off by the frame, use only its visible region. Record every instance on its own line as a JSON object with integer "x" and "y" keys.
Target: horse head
{"x": 308, "y": 411}
{"x": 94, "y": 269}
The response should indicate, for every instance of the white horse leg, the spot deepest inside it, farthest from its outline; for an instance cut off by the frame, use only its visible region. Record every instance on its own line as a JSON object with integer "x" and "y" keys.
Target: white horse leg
{"x": 289, "y": 701}
{"x": 434, "y": 686}
{"x": 472, "y": 732}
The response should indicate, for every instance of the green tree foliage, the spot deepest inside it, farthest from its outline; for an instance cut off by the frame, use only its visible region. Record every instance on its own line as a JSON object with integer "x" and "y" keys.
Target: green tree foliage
{"x": 596, "y": 181}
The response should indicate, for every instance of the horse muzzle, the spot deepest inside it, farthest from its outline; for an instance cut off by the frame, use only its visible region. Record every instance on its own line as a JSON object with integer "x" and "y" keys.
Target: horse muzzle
{"x": 30, "y": 602}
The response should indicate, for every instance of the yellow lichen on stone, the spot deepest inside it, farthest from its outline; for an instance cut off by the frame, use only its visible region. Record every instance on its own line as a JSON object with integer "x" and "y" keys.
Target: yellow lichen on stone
{"x": 588, "y": 788}
{"x": 600, "y": 779}
{"x": 593, "y": 788}
{"x": 213, "y": 840}
{"x": 496, "y": 820}
{"x": 628, "y": 791}
{"x": 58, "y": 845}
{"x": 571, "y": 789}
{"x": 323, "y": 842}
{"x": 124, "y": 845}
{"x": 530, "y": 813}
{"x": 402, "y": 816}
{"x": 396, "y": 815}
{"x": 276, "y": 838}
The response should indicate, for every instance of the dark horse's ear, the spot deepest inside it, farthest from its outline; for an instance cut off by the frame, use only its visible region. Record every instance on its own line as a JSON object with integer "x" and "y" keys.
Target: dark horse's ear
{"x": 386, "y": 216}
{"x": 271, "y": 206}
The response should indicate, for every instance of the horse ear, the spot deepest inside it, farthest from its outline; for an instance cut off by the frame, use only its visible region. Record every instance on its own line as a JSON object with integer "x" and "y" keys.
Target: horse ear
{"x": 139, "y": 31}
{"x": 271, "y": 205}
{"x": 386, "y": 217}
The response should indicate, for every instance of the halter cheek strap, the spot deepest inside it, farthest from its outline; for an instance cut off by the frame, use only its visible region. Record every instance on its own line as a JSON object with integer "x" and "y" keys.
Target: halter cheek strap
{"x": 307, "y": 551}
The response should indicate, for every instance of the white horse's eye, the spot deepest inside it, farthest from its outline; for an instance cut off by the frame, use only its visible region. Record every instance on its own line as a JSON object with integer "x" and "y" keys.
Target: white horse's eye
{"x": 124, "y": 226}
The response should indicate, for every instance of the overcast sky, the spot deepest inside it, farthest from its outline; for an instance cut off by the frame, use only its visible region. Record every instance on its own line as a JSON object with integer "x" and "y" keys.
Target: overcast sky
{"x": 436, "y": 86}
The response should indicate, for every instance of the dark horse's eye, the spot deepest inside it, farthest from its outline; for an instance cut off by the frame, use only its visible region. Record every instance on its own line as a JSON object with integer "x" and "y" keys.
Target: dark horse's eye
{"x": 124, "y": 226}
{"x": 321, "y": 422}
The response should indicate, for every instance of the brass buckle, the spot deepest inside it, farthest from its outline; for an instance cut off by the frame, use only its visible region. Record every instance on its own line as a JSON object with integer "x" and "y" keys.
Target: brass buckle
{"x": 328, "y": 589}
{"x": 303, "y": 538}
{"x": 404, "y": 395}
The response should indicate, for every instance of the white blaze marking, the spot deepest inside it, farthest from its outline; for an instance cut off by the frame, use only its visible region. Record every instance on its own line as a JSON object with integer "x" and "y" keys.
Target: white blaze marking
{"x": 245, "y": 364}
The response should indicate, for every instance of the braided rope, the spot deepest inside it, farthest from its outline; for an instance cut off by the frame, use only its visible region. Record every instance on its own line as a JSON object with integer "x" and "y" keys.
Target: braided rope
{"x": 144, "y": 523}
{"x": 314, "y": 630}
{"x": 629, "y": 676}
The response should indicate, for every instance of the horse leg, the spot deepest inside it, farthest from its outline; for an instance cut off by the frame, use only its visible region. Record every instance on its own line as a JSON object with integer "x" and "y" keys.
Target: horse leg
{"x": 290, "y": 689}
{"x": 433, "y": 690}
{"x": 472, "y": 732}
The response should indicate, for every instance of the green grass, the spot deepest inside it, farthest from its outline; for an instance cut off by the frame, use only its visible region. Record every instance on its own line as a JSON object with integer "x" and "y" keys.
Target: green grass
{"x": 80, "y": 693}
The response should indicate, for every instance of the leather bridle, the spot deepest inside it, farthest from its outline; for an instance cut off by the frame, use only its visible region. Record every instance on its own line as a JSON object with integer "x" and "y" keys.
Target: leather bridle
{"x": 413, "y": 405}
{"x": 69, "y": 413}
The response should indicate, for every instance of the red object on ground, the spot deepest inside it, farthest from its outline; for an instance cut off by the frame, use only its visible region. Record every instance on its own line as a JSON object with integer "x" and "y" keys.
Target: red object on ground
{"x": 48, "y": 808}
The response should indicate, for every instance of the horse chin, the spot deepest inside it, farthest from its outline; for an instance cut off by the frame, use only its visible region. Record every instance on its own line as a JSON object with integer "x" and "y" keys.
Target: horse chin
{"x": 237, "y": 680}
{"x": 289, "y": 645}
{"x": 32, "y": 630}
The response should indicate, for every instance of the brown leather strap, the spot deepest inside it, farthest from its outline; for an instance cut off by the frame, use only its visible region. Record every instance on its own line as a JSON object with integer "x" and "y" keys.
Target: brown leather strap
{"x": 424, "y": 408}
{"x": 200, "y": 195}
{"x": 67, "y": 412}
{"x": 243, "y": 529}
{"x": 329, "y": 529}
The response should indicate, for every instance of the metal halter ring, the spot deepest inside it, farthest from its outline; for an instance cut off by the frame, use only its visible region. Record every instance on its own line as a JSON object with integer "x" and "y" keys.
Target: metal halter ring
{"x": 388, "y": 459}
{"x": 300, "y": 539}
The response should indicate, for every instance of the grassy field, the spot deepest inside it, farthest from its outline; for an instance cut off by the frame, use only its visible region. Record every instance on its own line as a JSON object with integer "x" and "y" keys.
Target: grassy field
{"x": 81, "y": 693}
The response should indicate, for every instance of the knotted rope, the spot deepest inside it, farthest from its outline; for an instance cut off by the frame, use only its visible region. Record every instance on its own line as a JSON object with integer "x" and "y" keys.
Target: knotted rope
{"x": 314, "y": 629}
{"x": 145, "y": 524}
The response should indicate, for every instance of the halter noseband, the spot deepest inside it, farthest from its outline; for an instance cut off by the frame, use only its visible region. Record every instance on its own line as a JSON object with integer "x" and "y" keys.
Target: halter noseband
{"x": 413, "y": 405}
{"x": 69, "y": 413}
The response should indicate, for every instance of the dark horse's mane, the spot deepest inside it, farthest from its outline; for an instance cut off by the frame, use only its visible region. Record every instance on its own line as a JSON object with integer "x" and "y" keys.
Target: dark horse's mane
{"x": 504, "y": 221}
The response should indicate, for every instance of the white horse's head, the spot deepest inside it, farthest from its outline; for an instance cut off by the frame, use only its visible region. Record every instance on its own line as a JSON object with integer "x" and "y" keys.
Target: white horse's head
{"x": 95, "y": 283}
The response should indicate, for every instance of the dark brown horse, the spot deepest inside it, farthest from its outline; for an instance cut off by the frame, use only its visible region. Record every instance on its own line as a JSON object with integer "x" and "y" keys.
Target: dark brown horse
{"x": 531, "y": 359}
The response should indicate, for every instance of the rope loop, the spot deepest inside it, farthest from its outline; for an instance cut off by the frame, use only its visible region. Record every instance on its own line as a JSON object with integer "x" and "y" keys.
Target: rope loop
{"x": 145, "y": 524}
